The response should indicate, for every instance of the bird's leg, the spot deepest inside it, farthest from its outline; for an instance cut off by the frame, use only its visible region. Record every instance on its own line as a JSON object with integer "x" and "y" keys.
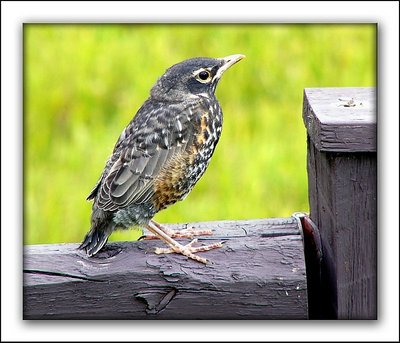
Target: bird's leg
{"x": 185, "y": 233}
{"x": 187, "y": 250}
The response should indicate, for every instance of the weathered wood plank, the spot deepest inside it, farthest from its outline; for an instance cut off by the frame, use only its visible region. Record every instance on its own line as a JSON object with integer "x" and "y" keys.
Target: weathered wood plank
{"x": 258, "y": 274}
{"x": 342, "y": 181}
{"x": 343, "y": 199}
{"x": 341, "y": 119}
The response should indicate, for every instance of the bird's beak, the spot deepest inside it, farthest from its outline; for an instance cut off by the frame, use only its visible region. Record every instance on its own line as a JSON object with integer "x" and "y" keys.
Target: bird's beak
{"x": 228, "y": 62}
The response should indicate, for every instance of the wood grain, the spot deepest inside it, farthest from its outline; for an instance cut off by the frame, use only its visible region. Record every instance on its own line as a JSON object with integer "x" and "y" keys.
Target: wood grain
{"x": 258, "y": 274}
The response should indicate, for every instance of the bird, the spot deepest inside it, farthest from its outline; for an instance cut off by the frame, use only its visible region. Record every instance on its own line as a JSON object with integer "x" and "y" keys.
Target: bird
{"x": 160, "y": 155}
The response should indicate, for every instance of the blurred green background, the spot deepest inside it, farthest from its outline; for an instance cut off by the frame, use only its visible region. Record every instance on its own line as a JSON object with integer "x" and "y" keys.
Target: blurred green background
{"x": 83, "y": 84}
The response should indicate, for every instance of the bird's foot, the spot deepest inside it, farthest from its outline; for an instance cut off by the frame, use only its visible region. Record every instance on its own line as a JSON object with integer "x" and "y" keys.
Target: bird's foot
{"x": 175, "y": 247}
{"x": 189, "y": 250}
{"x": 185, "y": 233}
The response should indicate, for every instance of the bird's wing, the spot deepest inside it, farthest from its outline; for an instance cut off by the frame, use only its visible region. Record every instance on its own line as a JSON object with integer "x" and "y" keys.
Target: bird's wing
{"x": 144, "y": 147}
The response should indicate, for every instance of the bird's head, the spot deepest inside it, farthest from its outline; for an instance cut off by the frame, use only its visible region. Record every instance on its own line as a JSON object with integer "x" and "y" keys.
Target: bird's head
{"x": 193, "y": 77}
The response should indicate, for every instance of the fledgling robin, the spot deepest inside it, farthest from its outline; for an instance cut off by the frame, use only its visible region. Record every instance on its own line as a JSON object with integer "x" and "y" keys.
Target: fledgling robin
{"x": 160, "y": 156}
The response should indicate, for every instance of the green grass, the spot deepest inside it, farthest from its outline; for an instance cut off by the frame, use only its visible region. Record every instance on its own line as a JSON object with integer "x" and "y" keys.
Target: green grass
{"x": 83, "y": 84}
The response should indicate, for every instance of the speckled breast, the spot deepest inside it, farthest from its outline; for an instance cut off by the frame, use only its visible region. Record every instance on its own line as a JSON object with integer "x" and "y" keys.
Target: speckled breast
{"x": 183, "y": 171}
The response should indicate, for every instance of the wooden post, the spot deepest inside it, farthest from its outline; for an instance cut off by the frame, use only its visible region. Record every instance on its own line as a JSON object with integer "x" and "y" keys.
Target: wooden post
{"x": 342, "y": 177}
{"x": 258, "y": 274}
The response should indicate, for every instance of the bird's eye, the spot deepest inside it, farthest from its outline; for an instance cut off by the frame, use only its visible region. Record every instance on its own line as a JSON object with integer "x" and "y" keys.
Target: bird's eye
{"x": 203, "y": 76}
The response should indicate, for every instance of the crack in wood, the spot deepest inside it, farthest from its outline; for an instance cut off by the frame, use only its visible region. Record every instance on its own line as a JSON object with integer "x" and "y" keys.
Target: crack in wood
{"x": 278, "y": 234}
{"x": 44, "y": 272}
{"x": 155, "y": 301}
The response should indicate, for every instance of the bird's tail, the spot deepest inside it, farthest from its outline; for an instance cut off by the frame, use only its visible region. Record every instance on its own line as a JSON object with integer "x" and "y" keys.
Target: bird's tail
{"x": 96, "y": 238}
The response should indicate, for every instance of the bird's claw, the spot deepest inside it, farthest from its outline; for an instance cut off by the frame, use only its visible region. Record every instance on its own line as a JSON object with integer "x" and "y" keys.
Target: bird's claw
{"x": 189, "y": 250}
